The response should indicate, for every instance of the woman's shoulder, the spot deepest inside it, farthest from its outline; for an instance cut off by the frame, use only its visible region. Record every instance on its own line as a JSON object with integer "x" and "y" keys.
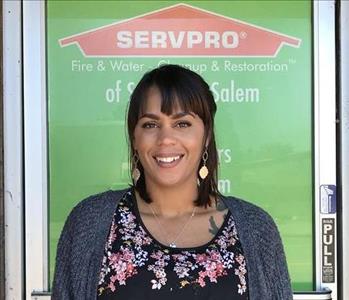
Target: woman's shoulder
{"x": 246, "y": 208}
{"x": 251, "y": 217}
{"x": 99, "y": 200}
{"x": 95, "y": 206}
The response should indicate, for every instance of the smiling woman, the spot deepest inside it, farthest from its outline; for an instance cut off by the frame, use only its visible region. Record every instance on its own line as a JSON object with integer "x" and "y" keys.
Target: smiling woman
{"x": 172, "y": 235}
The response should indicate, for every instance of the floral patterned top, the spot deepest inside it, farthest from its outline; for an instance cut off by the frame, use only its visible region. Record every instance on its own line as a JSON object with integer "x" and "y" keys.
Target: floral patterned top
{"x": 136, "y": 266}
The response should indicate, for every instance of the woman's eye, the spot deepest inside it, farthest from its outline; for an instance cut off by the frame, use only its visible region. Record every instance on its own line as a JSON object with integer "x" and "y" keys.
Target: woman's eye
{"x": 148, "y": 125}
{"x": 183, "y": 124}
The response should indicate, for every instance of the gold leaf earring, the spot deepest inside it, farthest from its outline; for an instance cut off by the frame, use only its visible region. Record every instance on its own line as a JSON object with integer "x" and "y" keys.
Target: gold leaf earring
{"x": 203, "y": 172}
{"x": 136, "y": 173}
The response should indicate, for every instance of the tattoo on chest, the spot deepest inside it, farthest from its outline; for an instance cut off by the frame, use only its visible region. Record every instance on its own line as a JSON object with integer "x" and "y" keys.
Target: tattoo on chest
{"x": 220, "y": 205}
{"x": 213, "y": 229}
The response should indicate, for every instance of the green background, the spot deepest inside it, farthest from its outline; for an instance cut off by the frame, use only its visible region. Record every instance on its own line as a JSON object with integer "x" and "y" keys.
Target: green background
{"x": 266, "y": 146}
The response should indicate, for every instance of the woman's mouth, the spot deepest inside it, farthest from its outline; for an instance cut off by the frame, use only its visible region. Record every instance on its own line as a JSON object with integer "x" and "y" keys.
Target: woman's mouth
{"x": 168, "y": 161}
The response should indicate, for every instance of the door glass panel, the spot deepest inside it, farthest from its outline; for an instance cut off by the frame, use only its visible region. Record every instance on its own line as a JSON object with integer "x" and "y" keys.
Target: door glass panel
{"x": 258, "y": 62}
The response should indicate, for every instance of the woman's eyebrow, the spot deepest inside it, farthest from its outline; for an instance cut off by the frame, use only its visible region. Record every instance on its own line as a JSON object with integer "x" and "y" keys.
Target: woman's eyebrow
{"x": 174, "y": 116}
{"x": 182, "y": 114}
{"x": 150, "y": 116}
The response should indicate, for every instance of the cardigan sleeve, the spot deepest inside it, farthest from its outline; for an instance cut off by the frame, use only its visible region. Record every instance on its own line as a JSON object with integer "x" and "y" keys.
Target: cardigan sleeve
{"x": 80, "y": 246}
{"x": 76, "y": 238}
{"x": 276, "y": 264}
{"x": 61, "y": 279}
{"x": 266, "y": 263}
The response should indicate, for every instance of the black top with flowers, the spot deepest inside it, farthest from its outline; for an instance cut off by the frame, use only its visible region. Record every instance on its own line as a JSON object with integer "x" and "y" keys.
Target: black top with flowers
{"x": 136, "y": 266}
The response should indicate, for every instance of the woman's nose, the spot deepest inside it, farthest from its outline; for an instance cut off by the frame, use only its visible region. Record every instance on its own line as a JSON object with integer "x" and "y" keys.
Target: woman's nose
{"x": 166, "y": 136}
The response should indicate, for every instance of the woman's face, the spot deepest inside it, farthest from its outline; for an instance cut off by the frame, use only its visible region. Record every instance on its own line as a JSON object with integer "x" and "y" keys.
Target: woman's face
{"x": 169, "y": 147}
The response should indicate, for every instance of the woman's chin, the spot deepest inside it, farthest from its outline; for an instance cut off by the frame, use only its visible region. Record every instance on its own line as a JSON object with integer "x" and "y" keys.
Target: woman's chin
{"x": 170, "y": 182}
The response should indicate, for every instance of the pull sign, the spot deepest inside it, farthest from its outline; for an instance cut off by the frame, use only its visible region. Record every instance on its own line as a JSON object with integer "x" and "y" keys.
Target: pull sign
{"x": 328, "y": 199}
{"x": 328, "y": 250}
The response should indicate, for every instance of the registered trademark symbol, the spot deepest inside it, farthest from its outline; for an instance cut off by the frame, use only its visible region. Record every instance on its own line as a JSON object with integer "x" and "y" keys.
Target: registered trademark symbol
{"x": 243, "y": 34}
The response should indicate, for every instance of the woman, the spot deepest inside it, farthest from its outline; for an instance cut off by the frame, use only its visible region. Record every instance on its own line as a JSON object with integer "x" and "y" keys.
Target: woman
{"x": 172, "y": 235}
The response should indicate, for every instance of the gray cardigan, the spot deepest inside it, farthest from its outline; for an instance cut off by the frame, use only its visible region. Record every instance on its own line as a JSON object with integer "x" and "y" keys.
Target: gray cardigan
{"x": 81, "y": 249}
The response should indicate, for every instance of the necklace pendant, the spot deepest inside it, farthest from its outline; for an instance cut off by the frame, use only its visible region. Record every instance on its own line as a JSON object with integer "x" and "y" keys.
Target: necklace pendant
{"x": 173, "y": 245}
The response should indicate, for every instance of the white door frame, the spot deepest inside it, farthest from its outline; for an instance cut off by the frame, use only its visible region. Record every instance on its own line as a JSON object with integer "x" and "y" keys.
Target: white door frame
{"x": 35, "y": 143}
{"x": 13, "y": 149}
{"x": 344, "y": 140}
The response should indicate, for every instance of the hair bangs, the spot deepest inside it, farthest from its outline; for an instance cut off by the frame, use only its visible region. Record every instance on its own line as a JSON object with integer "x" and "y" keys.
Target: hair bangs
{"x": 176, "y": 95}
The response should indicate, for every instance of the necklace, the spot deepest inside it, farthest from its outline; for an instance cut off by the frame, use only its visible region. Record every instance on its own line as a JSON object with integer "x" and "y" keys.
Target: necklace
{"x": 172, "y": 243}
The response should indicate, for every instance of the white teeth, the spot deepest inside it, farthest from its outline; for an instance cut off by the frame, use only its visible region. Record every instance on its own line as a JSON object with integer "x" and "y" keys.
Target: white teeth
{"x": 167, "y": 159}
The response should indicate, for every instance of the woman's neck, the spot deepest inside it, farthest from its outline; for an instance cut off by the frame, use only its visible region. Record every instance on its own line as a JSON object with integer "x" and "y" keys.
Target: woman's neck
{"x": 170, "y": 202}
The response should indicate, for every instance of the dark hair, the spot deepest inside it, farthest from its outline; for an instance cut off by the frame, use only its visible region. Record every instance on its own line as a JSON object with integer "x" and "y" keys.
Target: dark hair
{"x": 177, "y": 85}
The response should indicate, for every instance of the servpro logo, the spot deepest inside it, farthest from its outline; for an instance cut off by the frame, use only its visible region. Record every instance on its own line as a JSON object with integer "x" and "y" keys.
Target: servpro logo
{"x": 180, "y": 30}
{"x": 177, "y": 40}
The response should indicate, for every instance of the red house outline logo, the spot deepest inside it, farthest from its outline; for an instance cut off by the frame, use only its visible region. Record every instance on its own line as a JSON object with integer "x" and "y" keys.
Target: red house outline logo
{"x": 180, "y": 30}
